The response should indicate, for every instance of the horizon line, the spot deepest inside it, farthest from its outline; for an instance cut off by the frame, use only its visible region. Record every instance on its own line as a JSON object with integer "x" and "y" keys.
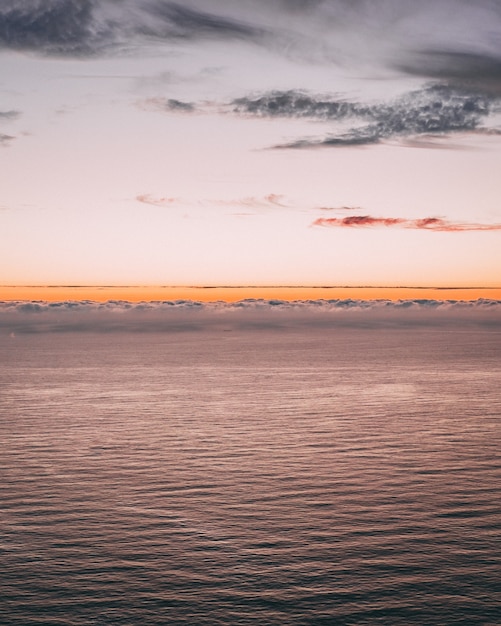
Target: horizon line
{"x": 146, "y": 286}
{"x": 233, "y": 293}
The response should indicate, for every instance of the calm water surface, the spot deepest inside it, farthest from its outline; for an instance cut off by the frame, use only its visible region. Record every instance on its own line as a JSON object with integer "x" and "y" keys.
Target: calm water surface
{"x": 260, "y": 477}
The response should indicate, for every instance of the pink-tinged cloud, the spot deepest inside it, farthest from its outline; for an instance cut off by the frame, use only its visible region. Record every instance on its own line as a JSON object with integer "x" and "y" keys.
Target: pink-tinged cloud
{"x": 340, "y": 208}
{"x": 427, "y": 223}
{"x": 272, "y": 199}
{"x": 254, "y": 202}
{"x": 275, "y": 198}
{"x": 435, "y": 223}
{"x": 147, "y": 198}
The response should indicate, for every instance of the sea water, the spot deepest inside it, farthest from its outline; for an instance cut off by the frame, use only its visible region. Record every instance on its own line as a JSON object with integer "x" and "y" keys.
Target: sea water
{"x": 348, "y": 476}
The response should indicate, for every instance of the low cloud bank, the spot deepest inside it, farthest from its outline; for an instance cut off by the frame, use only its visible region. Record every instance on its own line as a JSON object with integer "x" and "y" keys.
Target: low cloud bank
{"x": 18, "y": 317}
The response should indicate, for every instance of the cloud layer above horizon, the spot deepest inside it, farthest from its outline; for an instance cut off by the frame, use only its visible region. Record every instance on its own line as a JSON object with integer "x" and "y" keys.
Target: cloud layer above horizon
{"x": 23, "y": 317}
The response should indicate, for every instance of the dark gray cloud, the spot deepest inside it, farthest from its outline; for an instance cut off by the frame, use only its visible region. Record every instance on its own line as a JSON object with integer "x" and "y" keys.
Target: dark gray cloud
{"x": 90, "y": 27}
{"x": 53, "y": 26}
{"x": 434, "y": 110}
{"x": 169, "y": 105}
{"x": 450, "y": 40}
{"x": 456, "y": 39}
{"x": 177, "y": 106}
{"x": 249, "y": 315}
{"x": 174, "y": 19}
{"x": 470, "y": 69}
{"x": 297, "y": 104}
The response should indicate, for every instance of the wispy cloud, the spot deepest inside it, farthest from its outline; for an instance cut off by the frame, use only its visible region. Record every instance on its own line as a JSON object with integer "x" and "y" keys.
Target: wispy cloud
{"x": 455, "y": 41}
{"x": 168, "y": 105}
{"x": 420, "y": 117}
{"x": 433, "y": 110}
{"x": 9, "y": 115}
{"x": 426, "y": 223}
{"x": 5, "y": 139}
{"x": 452, "y": 40}
{"x": 89, "y": 27}
{"x": 473, "y": 70}
{"x": 146, "y": 198}
{"x": 339, "y": 208}
{"x": 252, "y": 202}
{"x": 246, "y": 315}
{"x": 174, "y": 19}
{"x": 256, "y": 202}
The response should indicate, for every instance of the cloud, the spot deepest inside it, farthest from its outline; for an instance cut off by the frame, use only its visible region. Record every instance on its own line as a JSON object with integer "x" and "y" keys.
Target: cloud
{"x": 353, "y": 138}
{"x": 51, "y": 26}
{"x": 445, "y": 39}
{"x": 339, "y": 208}
{"x": 174, "y": 20}
{"x": 5, "y": 139}
{"x": 434, "y": 110}
{"x": 9, "y": 115}
{"x": 89, "y": 27}
{"x": 427, "y": 223}
{"x": 418, "y": 118}
{"x": 247, "y": 315}
{"x": 455, "y": 41}
{"x": 179, "y": 106}
{"x": 358, "y": 220}
{"x": 275, "y": 199}
{"x": 469, "y": 69}
{"x": 147, "y": 198}
{"x": 298, "y": 104}
{"x": 255, "y": 202}
{"x": 169, "y": 105}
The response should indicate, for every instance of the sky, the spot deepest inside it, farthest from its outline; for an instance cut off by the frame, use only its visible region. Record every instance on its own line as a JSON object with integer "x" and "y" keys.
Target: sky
{"x": 259, "y": 143}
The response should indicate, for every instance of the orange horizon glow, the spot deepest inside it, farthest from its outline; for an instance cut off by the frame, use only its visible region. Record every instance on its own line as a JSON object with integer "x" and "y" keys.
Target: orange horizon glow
{"x": 55, "y": 293}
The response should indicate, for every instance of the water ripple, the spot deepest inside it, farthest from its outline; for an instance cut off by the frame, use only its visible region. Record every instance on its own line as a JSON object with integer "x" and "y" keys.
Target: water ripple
{"x": 297, "y": 479}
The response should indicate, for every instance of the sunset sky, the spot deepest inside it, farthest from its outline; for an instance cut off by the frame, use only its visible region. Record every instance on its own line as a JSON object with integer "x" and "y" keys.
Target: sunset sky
{"x": 258, "y": 142}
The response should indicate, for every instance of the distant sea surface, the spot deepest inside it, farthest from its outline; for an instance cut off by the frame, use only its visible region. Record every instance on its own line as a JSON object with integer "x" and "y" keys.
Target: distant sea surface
{"x": 289, "y": 477}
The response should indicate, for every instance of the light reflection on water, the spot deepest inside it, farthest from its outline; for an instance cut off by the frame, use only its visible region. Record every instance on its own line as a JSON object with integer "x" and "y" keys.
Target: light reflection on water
{"x": 257, "y": 477}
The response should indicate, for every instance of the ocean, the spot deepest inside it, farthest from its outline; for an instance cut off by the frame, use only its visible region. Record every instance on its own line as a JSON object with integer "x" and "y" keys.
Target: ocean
{"x": 295, "y": 476}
